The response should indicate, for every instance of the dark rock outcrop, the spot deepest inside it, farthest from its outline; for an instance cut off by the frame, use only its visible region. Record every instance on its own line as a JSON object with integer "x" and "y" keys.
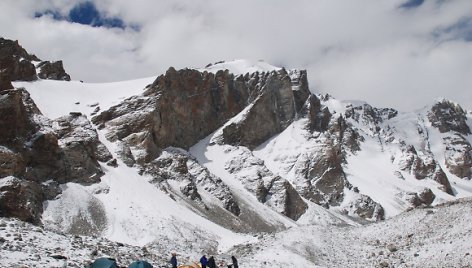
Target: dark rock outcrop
{"x": 173, "y": 165}
{"x": 80, "y": 148}
{"x": 458, "y": 155}
{"x": 16, "y": 121}
{"x": 52, "y": 70}
{"x": 418, "y": 166}
{"x": 16, "y": 64}
{"x": 448, "y": 116}
{"x": 424, "y": 197}
{"x": 269, "y": 189}
{"x": 300, "y": 88}
{"x": 35, "y": 150}
{"x": 272, "y": 111}
{"x": 21, "y": 199}
{"x": 440, "y": 177}
{"x": 292, "y": 204}
{"x": 5, "y": 82}
{"x": 366, "y": 208}
{"x": 370, "y": 116}
{"x": 423, "y": 167}
{"x": 43, "y": 157}
{"x": 11, "y": 163}
{"x": 319, "y": 117}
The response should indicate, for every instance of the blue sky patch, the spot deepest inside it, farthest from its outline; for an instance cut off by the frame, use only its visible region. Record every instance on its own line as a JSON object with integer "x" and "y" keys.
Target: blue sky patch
{"x": 411, "y": 4}
{"x": 461, "y": 30}
{"x": 86, "y": 13}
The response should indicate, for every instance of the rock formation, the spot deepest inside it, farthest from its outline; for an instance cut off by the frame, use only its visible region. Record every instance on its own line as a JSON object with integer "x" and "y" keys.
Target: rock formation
{"x": 21, "y": 199}
{"x": 35, "y": 150}
{"x": 448, "y": 116}
{"x": 16, "y": 64}
{"x": 52, "y": 70}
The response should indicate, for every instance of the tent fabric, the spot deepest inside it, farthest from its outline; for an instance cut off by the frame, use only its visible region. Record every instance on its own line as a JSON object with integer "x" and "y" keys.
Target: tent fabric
{"x": 140, "y": 264}
{"x": 104, "y": 263}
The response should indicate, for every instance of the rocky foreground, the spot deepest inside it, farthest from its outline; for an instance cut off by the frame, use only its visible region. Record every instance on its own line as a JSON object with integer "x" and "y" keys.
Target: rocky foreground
{"x": 427, "y": 237}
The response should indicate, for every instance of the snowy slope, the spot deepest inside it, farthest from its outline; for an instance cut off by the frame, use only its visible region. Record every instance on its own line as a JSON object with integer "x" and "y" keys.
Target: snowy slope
{"x": 240, "y": 67}
{"x": 432, "y": 237}
{"x": 56, "y": 98}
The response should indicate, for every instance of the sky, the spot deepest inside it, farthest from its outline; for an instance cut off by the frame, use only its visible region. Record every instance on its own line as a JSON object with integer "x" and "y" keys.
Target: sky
{"x": 403, "y": 54}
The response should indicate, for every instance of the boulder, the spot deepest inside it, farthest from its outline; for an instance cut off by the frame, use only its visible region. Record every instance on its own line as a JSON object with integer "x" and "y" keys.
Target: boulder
{"x": 423, "y": 197}
{"x": 52, "y": 70}
{"x": 21, "y": 199}
{"x": 366, "y": 208}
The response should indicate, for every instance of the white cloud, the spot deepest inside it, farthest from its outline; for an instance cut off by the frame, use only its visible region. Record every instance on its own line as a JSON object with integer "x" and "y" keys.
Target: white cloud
{"x": 367, "y": 49}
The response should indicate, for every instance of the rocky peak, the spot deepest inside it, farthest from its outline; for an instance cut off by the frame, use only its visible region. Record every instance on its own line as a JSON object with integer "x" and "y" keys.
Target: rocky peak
{"x": 52, "y": 70}
{"x": 16, "y": 64}
{"x": 13, "y": 48}
{"x": 448, "y": 116}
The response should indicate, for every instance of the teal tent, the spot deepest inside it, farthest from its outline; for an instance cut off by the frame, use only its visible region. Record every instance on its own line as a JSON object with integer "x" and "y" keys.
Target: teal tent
{"x": 103, "y": 263}
{"x": 140, "y": 264}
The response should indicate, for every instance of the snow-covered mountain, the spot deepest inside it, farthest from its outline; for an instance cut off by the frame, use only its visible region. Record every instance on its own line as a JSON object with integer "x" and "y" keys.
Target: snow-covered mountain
{"x": 238, "y": 158}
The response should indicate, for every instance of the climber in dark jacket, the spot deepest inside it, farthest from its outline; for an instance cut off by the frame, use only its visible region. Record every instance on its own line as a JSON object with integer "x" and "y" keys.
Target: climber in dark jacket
{"x": 204, "y": 261}
{"x": 235, "y": 262}
{"x": 211, "y": 262}
{"x": 173, "y": 260}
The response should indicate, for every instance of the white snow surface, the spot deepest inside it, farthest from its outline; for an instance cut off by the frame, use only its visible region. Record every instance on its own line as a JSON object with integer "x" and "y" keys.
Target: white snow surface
{"x": 241, "y": 66}
{"x": 58, "y": 98}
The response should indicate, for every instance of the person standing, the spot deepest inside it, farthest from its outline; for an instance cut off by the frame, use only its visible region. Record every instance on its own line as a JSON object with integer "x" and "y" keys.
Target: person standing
{"x": 173, "y": 260}
{"x": 211, "y": 262}
{"x": 235, "y": 262}
{"x": 204, "y": 261}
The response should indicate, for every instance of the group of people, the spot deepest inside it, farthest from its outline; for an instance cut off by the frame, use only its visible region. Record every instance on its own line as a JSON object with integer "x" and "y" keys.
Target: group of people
{"x": 208, "y": 263}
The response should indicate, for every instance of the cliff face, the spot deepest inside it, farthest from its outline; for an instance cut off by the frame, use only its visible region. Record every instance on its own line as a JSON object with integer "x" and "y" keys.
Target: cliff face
{"x": 182, "y": 107}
